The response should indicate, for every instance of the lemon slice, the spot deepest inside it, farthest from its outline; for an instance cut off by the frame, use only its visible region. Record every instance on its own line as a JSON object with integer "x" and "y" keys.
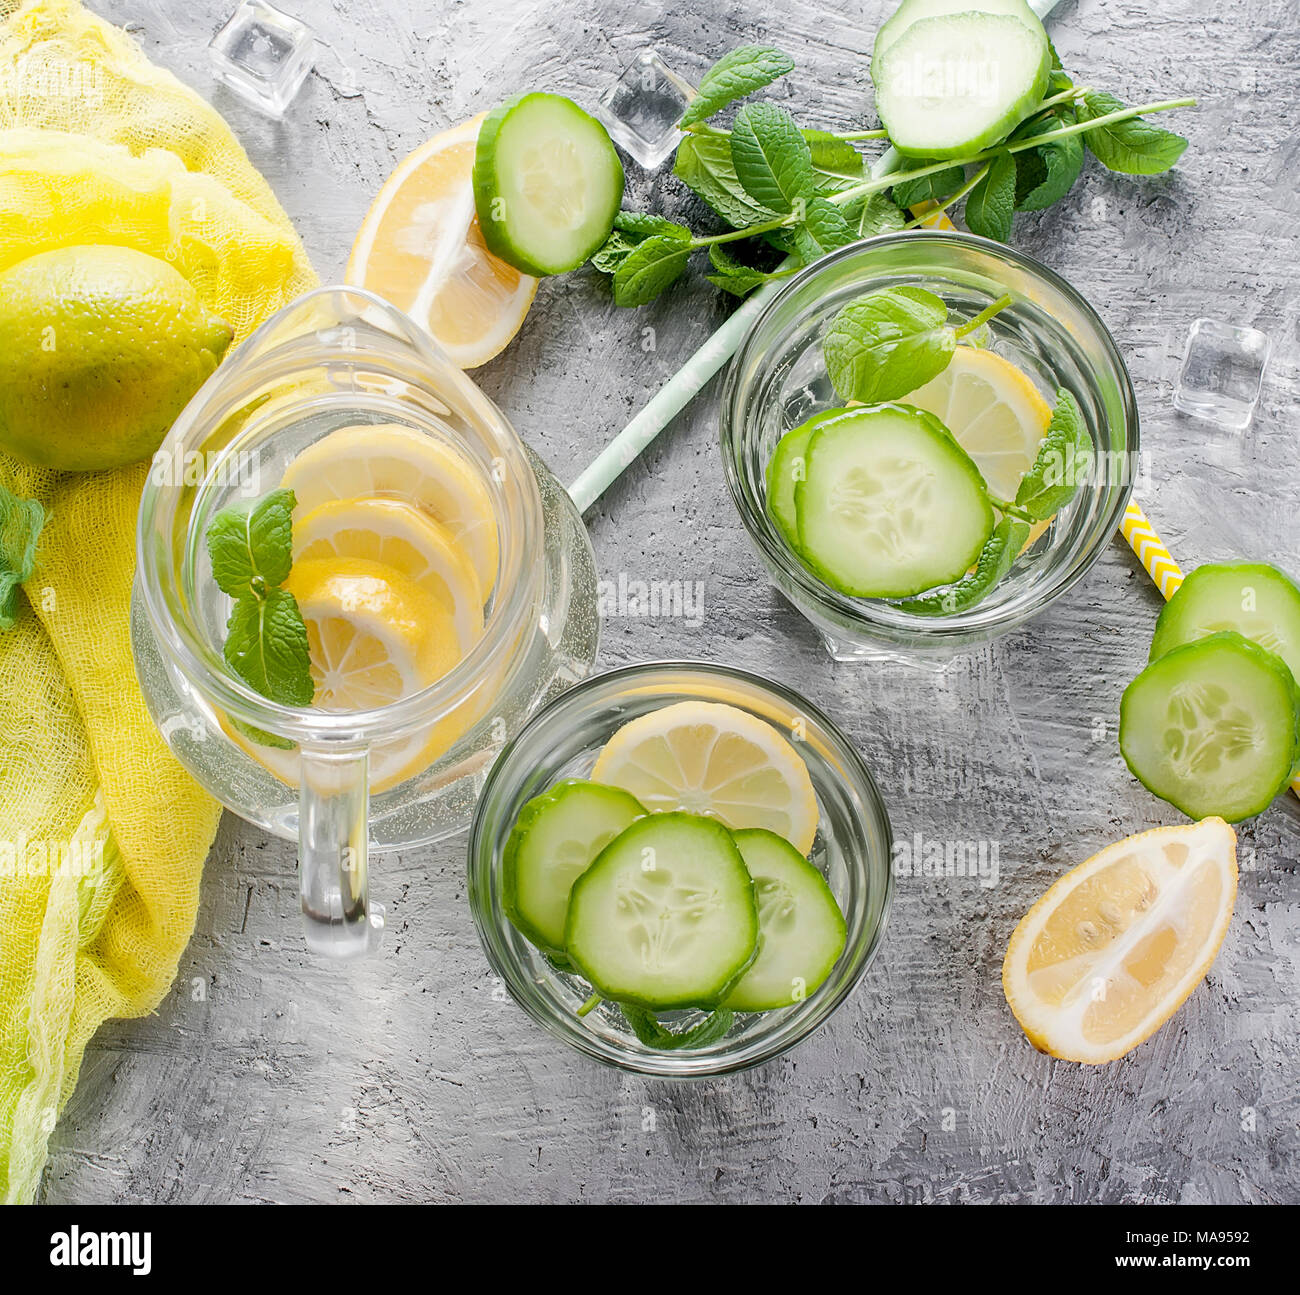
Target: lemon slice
{"x": 399, "y": 536}
{"x": 1112, "y": 950}
{"x": 374, "y": 635}
{"x": 995, "y": 412}
{"x": 396, "y": 462}
{"x": 421, "y": 248}
{"x": 713, "y": 759}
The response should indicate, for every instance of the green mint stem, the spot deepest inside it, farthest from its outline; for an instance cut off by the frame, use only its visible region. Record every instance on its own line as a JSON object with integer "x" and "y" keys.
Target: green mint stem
{"x": 984, "y": 316}
{"x": 703, "y": 128}
{"x": 1074, "y": 92}
{"x": 1082, "y": 127}
{"x": 590, "y": 1005}
{"x": 947, "y": 202}
{"x": 868, "y": 187}
{"x": 750, "y": 231}
{"x": 1004, "y": 506}
{"x": 848, "y": 136}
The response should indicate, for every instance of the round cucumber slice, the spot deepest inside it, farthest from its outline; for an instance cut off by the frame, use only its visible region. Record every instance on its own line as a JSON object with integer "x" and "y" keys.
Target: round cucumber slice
{"x": 665, "y": 916}
{"x": 890, "y": 505}
{"x": 785, "y": 469}
{"x": 547, "y": 183}
{"x": 951, "y": 85}
{"x": 1253, "y": 598}
{"x": 801, "y": 930}
{"x": 1213, "y": 727}
{"x": 554, "y": 840}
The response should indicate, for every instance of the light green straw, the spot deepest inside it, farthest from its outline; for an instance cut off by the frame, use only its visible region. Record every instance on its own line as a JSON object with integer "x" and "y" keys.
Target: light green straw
{"x": 687, "y": 382}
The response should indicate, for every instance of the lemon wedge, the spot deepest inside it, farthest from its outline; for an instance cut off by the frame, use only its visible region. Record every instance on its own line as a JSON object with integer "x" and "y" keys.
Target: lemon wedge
{"x": 398, "y": 536}
{"x": 1113, "y": 949}
{"x": 995, "y": 412}
{"x": 709, "y": 758}
{"x": 392, "y": 461}
{"x": 421, "y": 248}
{"x": 374, "y": 635}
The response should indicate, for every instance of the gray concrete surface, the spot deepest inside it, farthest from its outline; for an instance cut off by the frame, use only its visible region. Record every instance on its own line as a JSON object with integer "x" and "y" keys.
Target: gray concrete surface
{"x": 267, "y": 1076}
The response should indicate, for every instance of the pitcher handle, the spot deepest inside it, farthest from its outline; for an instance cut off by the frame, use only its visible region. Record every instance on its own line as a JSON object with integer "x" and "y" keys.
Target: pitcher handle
{"x": 333, "y": 837}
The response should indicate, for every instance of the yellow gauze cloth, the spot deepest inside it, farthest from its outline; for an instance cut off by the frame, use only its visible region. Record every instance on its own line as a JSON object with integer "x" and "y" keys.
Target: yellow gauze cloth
{"x": 102, "y": 833}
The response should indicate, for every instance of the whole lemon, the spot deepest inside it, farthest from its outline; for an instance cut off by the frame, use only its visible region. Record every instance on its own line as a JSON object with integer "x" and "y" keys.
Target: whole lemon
{"x": 100, "y": 349}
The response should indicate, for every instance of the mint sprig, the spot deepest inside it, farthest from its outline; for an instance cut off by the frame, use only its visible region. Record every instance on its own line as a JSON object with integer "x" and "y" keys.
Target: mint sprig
{"x": 645, "y": 1025}
{"x": 1124, "y": 142}
{"x": 251, "y": 548}
{"x": 888, "y": 343}
{"x": 779, "y": 185}
{"x": 1065, "y": 456}
{"x": 734, "y": 75}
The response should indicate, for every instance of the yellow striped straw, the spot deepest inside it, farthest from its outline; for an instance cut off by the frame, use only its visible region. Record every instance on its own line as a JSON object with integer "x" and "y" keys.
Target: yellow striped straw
{"x": 1158, "y": 562}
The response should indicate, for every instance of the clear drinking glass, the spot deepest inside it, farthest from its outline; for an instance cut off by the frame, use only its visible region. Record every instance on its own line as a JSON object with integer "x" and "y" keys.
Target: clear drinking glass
{"x": 778, "y": 379}
{"x": 347, "y": 783}
{"x": 852, "y": 850}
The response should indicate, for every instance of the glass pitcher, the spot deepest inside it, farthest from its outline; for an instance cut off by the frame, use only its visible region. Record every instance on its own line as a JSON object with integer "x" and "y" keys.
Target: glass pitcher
{"x": 346, "y": 783}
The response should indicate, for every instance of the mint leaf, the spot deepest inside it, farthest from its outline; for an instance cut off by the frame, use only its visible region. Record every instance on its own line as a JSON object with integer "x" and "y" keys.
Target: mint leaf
{"x": 612, "y": 252}
{"x": 996, "y": 558}
{"x": 823, "y": 230}
{"x": 1044, "y": 175}
{"x": 252, "y": 546}
{"x": 1133, "y": 146}
{"x": 738, "y": 285}
{"x": 21, "y": 521}
{"x": 630, "y": 229}
{"x": 771, "y": 158}
{"x": 266, "y": 646}
{"x": 649, "y": 268}
{"x": 644, "y": 224}
{"x": 884, "y": 345}
{"x": 1062, "y": 463}
{"x": 733, "y": 276}
{"x": 261, "y": 736}
{"x": 992, "y": 202}
{"x": 704, "y": 166}
{"x": 929, "y": 188}
{"x": 833, "y": 155}
{"x": 734, "y": 75}
{"x": 880, "y": 215}
{"x": 647, "y": 1028}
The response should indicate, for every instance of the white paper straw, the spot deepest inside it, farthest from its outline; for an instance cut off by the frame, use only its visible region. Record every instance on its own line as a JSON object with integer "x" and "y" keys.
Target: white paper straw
{"x": 687, "y": 382}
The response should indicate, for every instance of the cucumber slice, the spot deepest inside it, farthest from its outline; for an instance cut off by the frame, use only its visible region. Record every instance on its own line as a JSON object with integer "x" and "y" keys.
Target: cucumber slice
{"x": 890, "y": 505}
{"x": 801, "y": 930}
{"x": 1211, "y": 727}
{"x": 665, "y": 916}
{"x": 953, "y": 84}
{"x": 912, "y": 11}
{"x": 786, "y": 468}
{"x": 1253, "y": 598}
{"x": 547, "y": 183}
{"x": 554, "y": 840}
